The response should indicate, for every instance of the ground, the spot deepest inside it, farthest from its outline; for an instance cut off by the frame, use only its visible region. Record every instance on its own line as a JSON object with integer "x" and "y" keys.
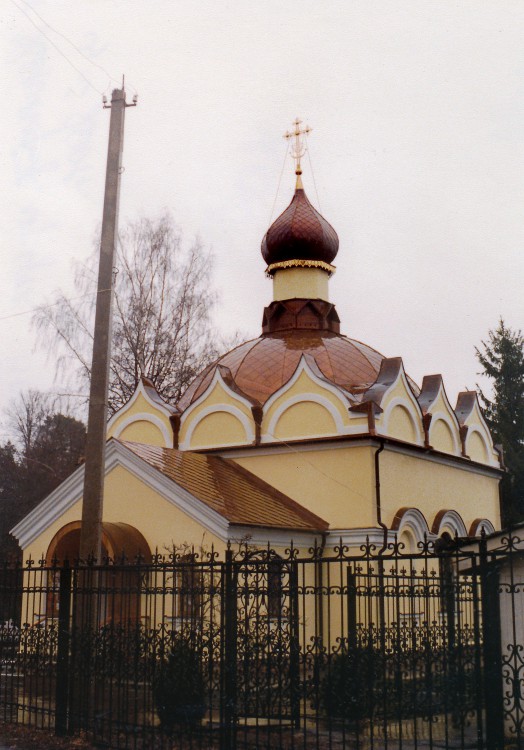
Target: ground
{"x": 16, "y": 737}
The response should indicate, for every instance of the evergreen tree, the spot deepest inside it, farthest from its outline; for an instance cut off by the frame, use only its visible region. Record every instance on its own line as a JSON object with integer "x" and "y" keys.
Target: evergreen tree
{"x": 502, "y": 360}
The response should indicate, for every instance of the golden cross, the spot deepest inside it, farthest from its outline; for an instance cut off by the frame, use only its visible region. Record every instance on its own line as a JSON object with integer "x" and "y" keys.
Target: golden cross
{"x": 298, "y": 148}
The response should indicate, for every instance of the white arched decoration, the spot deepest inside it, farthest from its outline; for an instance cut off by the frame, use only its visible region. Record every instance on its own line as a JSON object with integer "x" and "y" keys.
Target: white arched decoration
{"x": 301, "y": 398}
{"x": 326, "y": 385}
{"x": 145, "y": 417}
{"x": 450, "y": 519}
{"x": 248, "y": 425}
{"x": 441, "y": 416}
{"x": 408, "y": 408}
{"x": 480, "y": 524}
{"x": 485, "y": 443}
{"x": 413, "y": 522}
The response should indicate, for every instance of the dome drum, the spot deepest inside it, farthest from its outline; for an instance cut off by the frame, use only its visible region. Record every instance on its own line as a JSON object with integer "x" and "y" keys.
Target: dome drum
{"x": 294, "y": 314}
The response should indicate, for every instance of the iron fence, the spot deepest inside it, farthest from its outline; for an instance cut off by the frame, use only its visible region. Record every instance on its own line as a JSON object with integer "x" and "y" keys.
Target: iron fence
{"x": 263, "y": 650}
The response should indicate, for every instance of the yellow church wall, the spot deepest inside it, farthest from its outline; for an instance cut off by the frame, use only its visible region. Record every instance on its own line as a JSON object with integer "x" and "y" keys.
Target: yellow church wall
{"x": 304, "y": 283}
{"x": 476, "y": 448}
{"x": 143, "y": 431}
{"x": 304, "y": 419}
{"x": 124, "y": 427}
{"x": 128, "y": 500}
{"x": 401, "y": 417}
{"x": 304, "y": 385}
{"x": 338, "y": 485}
{"x": 440, "y": 437}
{"x": 219, "y": 395}
{"x": 411, "y": 481}
{"x": 400, "y": 425}
{"x": 305, "y": 409}
{"x": 218, "y": 428}
{"x": 221, "y": 423}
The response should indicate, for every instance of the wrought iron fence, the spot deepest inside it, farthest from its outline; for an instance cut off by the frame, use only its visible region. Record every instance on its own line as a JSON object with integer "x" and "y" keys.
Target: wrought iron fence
{"x": 259, "y": 650}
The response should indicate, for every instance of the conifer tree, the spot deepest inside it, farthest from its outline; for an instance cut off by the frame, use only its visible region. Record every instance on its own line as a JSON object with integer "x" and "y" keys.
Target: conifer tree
{"x": 502, "y": 360}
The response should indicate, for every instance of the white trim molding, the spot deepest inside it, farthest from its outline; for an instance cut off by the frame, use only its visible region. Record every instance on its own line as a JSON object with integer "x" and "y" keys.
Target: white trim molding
{"x": 71, "y": 491}
{"x": 145, "y": 417}
{"x": 302, "y": 398}
{"x": 454, "y": 521}
{"x": 246, "y": 423}
{"x": 140, "y": 390}
{"x": 304, "y": 367}
{"x": 407, "y": 405}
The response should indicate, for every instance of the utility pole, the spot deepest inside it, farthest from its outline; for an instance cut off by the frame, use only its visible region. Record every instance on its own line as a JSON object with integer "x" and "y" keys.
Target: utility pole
{"x": 91, "y": 531}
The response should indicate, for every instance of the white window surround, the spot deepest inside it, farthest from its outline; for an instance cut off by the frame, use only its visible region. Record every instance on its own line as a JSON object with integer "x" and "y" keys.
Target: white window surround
{"x": 414, "y": 521}
{"x": 453, "y": 520}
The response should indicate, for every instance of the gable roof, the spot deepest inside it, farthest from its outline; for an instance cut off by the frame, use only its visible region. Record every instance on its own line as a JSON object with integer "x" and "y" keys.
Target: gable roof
{"x": 227, "y": 488}
{"x": 214, "y": 491}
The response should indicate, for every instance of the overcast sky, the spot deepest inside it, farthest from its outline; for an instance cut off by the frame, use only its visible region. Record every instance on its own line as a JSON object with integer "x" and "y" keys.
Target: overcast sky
{"x": 417, "y": 110}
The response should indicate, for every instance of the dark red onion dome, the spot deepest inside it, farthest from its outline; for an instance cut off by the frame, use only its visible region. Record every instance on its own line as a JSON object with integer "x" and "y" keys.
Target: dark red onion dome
{"x": 300, "y": 237}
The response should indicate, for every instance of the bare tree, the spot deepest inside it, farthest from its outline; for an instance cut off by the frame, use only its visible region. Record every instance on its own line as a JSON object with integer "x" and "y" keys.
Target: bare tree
{"x": 162, "y": 314}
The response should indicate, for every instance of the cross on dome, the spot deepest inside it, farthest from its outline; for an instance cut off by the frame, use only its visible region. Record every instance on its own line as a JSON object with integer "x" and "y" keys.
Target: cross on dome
{"x": 298, "y": 148}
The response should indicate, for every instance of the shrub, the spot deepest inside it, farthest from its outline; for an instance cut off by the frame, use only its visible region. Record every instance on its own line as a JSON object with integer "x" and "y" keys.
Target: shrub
{"x": 178, "y": 686}
{"x": 347, "y": 686}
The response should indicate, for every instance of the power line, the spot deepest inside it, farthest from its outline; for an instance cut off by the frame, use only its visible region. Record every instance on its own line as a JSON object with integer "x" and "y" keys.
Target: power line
{"x": 279, "y": 181}
{"x": 56, "y": 47}
{"x": 73, "y": 45}
{"x": 53, "y": 304}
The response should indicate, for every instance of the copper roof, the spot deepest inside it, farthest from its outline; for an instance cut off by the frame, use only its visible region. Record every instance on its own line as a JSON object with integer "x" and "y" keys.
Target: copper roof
{"x": 233, "y": 492}
{"x": 262, "y": 366}
{"x": 300, "y": 232}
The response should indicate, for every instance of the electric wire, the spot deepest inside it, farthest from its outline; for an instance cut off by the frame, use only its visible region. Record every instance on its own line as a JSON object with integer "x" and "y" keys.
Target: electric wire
{"x": 313, "y": 176}
{"x": 62, "y": 53}
{"x": 73, "y": 45}
{"x": 89, "y": 83}
{"x": 300, "y": 454}
{"x": 52, "y": 304}
{"x": 278, "y": 186}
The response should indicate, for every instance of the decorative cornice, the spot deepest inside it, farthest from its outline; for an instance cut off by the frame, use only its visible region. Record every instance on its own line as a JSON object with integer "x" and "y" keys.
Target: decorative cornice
{"x": 299, "y": 263}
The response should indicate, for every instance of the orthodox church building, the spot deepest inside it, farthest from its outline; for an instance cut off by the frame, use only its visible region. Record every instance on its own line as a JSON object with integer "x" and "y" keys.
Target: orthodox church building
{"x": 301, "y": 434}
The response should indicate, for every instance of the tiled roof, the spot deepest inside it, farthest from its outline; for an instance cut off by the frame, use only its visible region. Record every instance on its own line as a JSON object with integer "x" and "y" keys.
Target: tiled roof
{"x": 262, "y": 366}
{"x": 233, "y": 492}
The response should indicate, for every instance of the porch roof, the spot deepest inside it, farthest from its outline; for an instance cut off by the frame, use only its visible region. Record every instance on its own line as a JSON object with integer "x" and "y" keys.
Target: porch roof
{"x": 227, "y": 488}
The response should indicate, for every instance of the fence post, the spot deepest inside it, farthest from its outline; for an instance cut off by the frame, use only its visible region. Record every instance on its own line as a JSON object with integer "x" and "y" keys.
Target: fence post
{"x": 491, "y": 650}
{"x": 294, "y": 646}
{"x": 229, "y": 656}
{"x": 62, "y": 657}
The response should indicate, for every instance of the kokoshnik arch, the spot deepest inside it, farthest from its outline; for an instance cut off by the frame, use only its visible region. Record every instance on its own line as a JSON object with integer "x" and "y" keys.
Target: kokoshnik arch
{"x": 301, "y": 434}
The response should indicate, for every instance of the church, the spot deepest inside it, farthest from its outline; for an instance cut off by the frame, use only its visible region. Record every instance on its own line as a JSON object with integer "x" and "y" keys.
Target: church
{"x": 301, "y": 435}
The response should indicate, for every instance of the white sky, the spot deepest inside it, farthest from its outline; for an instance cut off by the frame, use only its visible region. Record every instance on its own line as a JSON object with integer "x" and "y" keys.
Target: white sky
{"x": 417, "y": 109}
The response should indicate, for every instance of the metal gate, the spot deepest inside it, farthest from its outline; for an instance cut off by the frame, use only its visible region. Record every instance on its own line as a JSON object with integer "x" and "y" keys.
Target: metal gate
{"x": 260, "y": 650}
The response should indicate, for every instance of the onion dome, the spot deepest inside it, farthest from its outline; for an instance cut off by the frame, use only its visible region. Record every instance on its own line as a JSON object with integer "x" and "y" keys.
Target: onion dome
{"x": 300, "y": 237}
{"x": 261, "y": 366}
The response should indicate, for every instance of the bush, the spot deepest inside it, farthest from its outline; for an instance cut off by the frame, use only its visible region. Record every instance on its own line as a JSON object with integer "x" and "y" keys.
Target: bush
{"x": 348, "y": 684}
{"x": 178, "y": 686}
